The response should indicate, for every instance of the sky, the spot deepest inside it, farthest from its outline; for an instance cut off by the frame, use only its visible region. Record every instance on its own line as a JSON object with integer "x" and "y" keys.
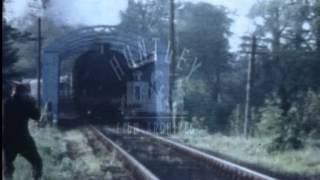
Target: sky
{"x": 94, "y": 12}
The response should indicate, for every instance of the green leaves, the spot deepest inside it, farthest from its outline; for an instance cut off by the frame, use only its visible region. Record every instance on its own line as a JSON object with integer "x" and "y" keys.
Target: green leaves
{"x": 290, "y": 131}
{"x": 9, "y": 57}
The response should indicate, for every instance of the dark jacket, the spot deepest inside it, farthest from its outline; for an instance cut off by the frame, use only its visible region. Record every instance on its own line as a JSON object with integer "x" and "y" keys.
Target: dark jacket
{"x": 17, "y": 111}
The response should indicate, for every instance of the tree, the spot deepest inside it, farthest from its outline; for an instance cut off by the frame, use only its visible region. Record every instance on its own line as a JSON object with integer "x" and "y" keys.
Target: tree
{"x": 146, "y": 18}
{"x": 292, "y": 64}
{"x": 204, "y": 30}
{"x": 28, "y": 50}
{"x": 10, "y": 56}
{"x": 291, "y": 46}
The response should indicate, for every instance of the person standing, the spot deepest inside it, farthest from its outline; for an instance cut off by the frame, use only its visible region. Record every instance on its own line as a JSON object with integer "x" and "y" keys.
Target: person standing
{"x": 18, "y": 108}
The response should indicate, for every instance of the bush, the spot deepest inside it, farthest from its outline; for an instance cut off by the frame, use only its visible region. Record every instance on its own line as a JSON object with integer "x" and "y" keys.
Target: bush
{"x": 271, "y": 118}
{"x": 311, "y": 115}
{"x": 283, "y": 130}
{"x": 290, "y": 130}
{"x": 236, "y": 121}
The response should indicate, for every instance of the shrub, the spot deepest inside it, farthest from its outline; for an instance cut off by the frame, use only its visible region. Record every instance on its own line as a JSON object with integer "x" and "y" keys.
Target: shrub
{"x": 290, "y": 130}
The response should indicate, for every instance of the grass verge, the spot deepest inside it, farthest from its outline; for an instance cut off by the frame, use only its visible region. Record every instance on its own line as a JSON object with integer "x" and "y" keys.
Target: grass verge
{"x": 68, "y": 155}
{"x": 305, "y": 162}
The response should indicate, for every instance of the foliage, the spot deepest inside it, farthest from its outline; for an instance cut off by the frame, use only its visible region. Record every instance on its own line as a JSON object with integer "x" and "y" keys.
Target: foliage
{"x": 146, "y": 18}
{"x": 28, "y": 51}
{"x": 10, "y": 56}
{"x": 290, "y": 131}
{"x": 203, "y": 29}
{"x": 9, "y": 52}
{"x": 253, "y": 150}
{"x": 196, "y": 88}
{"x": 270, "y": 117}
{"x": 236, "y": 121}
{"x": 284, "y": 131}
{"x": 310, "y": 115}
{"x": 72, "y": 154}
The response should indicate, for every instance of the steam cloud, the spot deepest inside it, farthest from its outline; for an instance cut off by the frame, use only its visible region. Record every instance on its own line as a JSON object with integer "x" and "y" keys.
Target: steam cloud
{"x": 71, "y": 12}
{"x": 87, "y": 12}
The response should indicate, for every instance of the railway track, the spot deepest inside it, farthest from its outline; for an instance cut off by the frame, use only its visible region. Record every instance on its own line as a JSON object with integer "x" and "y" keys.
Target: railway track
{"x": 151, "y": 157}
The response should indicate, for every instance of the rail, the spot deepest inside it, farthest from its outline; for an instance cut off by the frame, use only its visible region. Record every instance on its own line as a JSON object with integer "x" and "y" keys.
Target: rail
{"x": 140, "y": 171}
{"x": 235, "y": 169}
{"x": 137, "y": 169}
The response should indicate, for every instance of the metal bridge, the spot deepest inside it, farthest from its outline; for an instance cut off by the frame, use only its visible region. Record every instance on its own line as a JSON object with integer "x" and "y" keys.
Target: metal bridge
{"x": 131, "y": 44}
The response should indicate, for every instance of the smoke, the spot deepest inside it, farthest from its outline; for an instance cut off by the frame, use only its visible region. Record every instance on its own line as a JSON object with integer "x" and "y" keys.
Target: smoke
{"x": 70, "y": 12}
{"x": 86, "y": 12}
{"x": 15, "y": 9}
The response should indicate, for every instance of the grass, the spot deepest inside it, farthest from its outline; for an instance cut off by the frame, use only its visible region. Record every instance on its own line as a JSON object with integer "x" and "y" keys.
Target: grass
{"x": 66, "y": 156}
{"x": 253, "y": 150}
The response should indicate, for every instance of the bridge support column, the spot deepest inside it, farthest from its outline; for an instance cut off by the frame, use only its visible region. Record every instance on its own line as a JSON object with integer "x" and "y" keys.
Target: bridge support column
{"x": 50, "y": 74}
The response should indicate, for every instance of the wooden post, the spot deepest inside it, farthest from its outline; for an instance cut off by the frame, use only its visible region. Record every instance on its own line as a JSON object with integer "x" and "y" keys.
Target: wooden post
{"x": 3, "y": 44}
{"x": 173, "y": 61}
{"x": 247, "y": 113}
{"x": 39, "y": 64}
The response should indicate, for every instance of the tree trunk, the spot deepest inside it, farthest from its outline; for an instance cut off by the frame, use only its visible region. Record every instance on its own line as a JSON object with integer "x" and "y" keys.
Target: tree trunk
{"x": 217, "y": 96}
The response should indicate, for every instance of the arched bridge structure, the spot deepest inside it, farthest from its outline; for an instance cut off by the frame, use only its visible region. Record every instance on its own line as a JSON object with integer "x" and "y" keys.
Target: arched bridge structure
{"x": 134, "y": 47}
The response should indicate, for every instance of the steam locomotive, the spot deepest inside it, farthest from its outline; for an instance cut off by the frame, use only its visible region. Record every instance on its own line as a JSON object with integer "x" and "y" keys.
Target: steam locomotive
{"x": 107, "y": 89}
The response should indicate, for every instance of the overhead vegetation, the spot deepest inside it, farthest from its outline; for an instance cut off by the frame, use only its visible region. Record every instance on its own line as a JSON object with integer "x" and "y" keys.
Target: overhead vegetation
{"x": 10, "y": 68}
